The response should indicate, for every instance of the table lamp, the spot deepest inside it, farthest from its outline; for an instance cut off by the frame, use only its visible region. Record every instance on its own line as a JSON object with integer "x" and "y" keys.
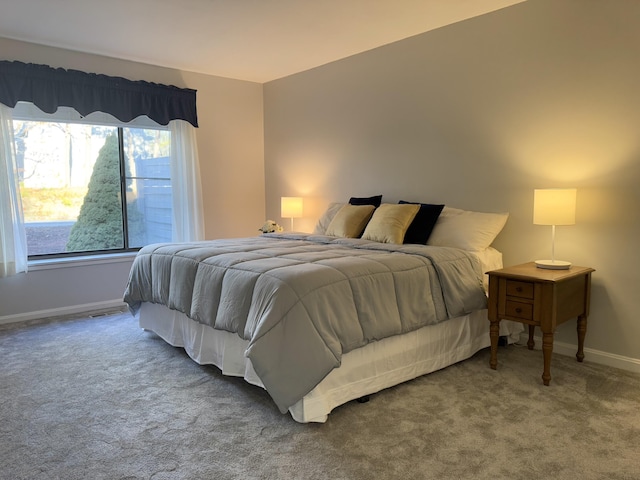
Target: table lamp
{"x": 291, "y": 207}
{"x": 554, "y": 206}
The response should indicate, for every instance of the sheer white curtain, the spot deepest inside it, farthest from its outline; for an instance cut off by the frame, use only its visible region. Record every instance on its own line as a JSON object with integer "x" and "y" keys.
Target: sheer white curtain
{"x": 13, "y": 239}
{"x": 188, "y": 217}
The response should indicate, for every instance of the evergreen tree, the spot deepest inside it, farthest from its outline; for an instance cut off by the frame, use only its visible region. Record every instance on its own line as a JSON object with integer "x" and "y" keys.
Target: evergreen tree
{"x": 99, "y": 225}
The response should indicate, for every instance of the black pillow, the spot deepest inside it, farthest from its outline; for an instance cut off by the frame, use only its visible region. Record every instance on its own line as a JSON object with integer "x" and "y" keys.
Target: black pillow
{"x": 423, "y": 223}
{"x": 376, "y": 200}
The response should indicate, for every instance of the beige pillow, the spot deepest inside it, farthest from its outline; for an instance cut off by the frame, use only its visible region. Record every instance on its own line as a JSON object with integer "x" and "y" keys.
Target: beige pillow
{"x": 390, "y": 222}
{"x": 350, "y": 221}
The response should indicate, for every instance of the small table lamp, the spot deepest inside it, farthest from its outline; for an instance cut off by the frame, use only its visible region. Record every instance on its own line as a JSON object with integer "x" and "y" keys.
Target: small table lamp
{"x": 291, "y": 207}
{"x": 554, "y": 206}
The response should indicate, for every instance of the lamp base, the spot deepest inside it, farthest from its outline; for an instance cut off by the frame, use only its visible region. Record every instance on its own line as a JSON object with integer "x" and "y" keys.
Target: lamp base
{"x": 553, "y": 264}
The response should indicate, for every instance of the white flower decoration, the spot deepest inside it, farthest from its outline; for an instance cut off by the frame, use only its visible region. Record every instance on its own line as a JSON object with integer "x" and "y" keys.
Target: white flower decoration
{"x": 270, "y": 226}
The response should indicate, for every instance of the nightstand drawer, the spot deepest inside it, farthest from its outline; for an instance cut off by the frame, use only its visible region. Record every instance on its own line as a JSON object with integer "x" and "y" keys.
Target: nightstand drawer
{"x": 519, "y": 310}
{"x": 519, "y": 289}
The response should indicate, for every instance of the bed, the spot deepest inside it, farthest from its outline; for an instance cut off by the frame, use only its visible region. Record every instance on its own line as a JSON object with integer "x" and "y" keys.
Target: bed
{"x": 324, "y": 318}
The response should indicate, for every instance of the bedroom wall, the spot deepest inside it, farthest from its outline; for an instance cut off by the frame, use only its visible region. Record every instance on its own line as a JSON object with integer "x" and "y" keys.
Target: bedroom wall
{"x": 477, "y": 115}
{"x": 230, "y": 148}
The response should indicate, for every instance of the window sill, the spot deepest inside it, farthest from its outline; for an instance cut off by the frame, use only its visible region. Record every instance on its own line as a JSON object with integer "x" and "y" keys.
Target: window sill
{"x": 84, "y": 261}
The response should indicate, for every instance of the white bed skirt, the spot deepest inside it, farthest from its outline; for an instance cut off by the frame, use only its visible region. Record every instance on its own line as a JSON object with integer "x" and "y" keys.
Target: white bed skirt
{"x": 366, "y": 370}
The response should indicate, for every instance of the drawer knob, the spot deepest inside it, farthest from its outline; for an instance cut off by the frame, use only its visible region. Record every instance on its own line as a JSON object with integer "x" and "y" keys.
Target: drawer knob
{"x": 518, "y": 289}
{"x": 518, "y": 310}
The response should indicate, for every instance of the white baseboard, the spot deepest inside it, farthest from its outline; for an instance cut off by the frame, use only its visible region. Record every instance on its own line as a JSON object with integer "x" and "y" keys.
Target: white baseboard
{"x": 591, "y": 355}
{"x": 57, "y": 312}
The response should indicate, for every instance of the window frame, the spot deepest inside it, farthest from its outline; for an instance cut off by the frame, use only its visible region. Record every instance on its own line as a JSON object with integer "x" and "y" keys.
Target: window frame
{"x": 99, "y": 119}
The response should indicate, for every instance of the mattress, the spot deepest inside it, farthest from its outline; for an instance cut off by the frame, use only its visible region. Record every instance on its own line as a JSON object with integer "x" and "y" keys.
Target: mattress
{"x": 302, "y": 300}
{"x": 363, "y": 371}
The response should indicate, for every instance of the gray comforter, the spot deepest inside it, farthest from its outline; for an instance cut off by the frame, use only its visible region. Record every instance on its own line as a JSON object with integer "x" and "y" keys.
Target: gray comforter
{"x": 302, "y": 301}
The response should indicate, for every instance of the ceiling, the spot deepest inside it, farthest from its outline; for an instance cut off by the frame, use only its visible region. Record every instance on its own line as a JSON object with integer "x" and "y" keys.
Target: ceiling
{"x": 255, "y": 40}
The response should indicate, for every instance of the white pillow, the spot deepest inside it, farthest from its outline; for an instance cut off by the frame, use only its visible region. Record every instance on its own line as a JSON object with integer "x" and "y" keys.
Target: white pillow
{"x": 327, "y": 216}
{"x": 474, "y": 231}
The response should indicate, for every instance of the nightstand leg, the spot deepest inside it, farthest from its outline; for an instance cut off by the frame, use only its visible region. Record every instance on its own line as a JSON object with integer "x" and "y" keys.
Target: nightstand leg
{"x": 547, "y": 349}
{"x": 582, "y": 331}
{"x": 531, "y": 343}
{"x": 494, "y": 333}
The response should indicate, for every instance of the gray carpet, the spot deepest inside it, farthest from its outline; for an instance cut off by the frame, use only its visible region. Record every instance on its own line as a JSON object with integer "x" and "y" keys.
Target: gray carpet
{"x": 99, "y": 398}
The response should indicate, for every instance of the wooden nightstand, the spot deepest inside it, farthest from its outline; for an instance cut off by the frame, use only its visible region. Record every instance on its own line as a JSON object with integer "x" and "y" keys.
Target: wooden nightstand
{"x": 539, "y": 298}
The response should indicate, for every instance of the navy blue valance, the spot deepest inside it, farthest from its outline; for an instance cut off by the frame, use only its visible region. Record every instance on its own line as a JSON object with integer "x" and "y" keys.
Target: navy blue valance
{"x": 49, "y": 88}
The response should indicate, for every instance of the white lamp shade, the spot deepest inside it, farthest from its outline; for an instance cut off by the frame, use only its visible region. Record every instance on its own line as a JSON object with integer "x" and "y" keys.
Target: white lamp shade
{"x": 554, "y": 206}
{"x": 291, "y": 207}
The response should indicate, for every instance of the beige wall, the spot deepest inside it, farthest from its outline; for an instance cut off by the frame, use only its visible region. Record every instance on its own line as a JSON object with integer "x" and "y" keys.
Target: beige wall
{"x": 476, "y": 115}
{"x": 230, "y": 148}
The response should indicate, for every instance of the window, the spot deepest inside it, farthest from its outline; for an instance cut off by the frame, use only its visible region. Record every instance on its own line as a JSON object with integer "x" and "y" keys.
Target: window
{"x": 74, "y": 97}
{"x": 89, "y": 188}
